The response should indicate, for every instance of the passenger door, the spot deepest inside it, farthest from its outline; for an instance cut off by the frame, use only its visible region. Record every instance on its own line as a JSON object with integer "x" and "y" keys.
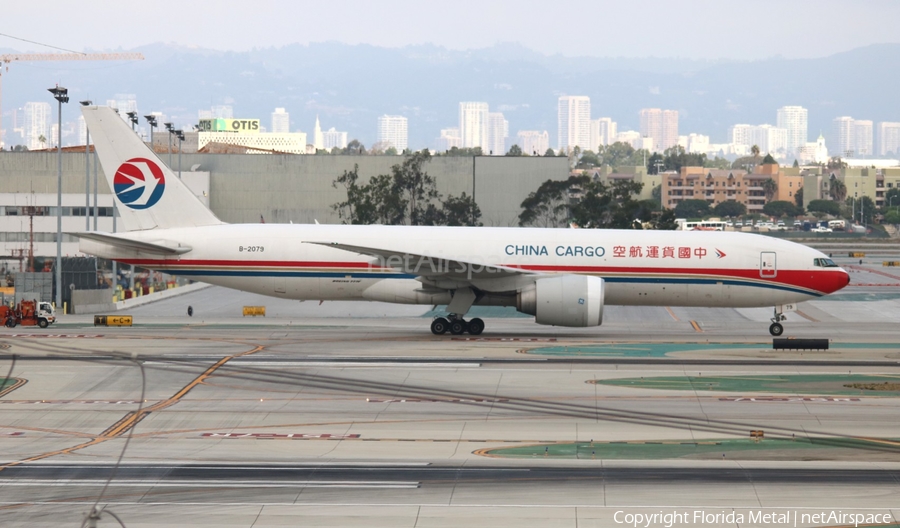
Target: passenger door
{"x": 767, "y": 265}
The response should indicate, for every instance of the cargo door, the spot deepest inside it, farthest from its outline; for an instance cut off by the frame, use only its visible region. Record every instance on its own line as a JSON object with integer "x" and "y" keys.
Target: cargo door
{"x": 767, "y": 265}
{"x": 280, "y": 285}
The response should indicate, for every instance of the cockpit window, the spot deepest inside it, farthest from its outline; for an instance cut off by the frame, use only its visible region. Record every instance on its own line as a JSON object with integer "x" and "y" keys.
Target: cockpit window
{"x": 824, "y": 263}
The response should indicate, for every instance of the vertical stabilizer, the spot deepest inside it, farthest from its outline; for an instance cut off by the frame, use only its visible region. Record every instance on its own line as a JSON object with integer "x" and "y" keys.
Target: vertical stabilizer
{"x": 148, "y": 194}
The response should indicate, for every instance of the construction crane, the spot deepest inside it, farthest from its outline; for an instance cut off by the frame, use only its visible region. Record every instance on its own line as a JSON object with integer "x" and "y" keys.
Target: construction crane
{"x": 19, "y": 57}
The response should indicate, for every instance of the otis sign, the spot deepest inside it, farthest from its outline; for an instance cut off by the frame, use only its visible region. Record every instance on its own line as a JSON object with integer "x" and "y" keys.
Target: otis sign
{"x": 237, "y": 126}
{"x": 139, "y": 183}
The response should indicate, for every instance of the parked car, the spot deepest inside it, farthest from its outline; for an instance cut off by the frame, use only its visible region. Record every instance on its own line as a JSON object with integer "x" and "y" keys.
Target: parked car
{"x": 821, "y": 229}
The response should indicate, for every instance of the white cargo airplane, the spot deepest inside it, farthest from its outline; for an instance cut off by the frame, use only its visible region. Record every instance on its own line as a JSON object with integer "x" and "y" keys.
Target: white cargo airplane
{"x": 563, "y": 277}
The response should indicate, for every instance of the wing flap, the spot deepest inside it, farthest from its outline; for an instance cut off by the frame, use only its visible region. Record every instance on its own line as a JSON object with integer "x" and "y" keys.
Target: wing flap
{"x": 429, "y": 266}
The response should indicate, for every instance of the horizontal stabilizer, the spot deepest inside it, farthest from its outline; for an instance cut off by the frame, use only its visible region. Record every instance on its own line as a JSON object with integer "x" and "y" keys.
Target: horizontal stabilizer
{"x": 161, "y": 247}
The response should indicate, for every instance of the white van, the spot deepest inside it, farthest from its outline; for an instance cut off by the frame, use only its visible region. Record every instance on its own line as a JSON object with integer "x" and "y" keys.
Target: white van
{"x": 837, "y": 224}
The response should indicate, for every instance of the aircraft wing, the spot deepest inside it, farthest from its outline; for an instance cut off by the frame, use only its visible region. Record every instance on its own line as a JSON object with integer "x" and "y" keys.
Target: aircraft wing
{"x": 433, "y": 268}
{"x": 159, "y": 247}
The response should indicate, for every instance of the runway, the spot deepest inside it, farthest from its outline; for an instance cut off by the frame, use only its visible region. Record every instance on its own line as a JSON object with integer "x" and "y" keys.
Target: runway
{"x": 342, "y": 419}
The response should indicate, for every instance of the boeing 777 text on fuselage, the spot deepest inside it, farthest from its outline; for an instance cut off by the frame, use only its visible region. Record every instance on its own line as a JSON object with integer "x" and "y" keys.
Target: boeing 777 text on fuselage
{"x": 563, "y": 277}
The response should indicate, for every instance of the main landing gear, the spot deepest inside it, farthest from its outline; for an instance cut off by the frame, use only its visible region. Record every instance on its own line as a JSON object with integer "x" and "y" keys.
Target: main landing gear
{"x": 776, "y": 329}
{"x": 457, "y": 325}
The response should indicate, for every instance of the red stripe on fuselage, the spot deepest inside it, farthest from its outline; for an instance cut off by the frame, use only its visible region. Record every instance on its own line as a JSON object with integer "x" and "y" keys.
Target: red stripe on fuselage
{"x": 818, "y": 280}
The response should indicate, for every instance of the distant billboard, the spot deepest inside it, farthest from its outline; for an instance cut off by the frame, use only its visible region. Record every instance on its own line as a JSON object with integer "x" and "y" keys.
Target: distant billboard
{"x": 238, "y": 126}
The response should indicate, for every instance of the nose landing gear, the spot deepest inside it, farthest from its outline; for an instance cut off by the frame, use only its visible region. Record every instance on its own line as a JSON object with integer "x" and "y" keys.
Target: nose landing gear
{"x": 776, "y": 328}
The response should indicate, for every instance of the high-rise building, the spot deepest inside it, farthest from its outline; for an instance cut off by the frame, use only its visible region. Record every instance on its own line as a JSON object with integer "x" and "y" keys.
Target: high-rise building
{"x": 603, "y": 132}
{"x": 318, "y": 139}
{"x": 574, "y": 122}
{"x": 669, "y": 130}
{"x": 842, "y": 135}
{"x": 769, "y": 139}
{"x": 449, "y": 139}
{"x": 795, "y": 120}
{"x": 393, "y": 131}
{"x": 888, "y": 139}
{"x": 697, "y": 144}
{"x": 498, "y": 131}
{"x": 334, "y": 138}
{"x": 37, "y": 120}
{"x": 281, "y": 121}
{"x": 741, "y": 134}
{"x": 473, "y": 124}
{"x": 533, "y": 142}
{"x": 862, "y": 137}
{"x": 661, "y": 125}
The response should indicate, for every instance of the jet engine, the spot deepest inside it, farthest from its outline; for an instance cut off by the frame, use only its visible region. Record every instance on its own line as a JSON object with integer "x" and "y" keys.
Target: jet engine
{"x": 567, "y": 300}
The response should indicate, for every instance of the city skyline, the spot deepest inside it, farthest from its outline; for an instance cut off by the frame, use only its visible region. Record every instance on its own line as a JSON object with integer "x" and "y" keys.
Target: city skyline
{"x": 848, "y": 138}
{"x": 522, "y": 97}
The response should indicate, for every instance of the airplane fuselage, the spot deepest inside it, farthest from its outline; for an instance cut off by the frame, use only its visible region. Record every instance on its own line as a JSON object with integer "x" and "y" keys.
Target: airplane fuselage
{"x": 668, "y": 268}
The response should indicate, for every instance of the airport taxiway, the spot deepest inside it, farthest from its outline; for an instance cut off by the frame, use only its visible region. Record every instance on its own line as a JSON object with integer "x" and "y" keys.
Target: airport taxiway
{"x": 353, "y": 414}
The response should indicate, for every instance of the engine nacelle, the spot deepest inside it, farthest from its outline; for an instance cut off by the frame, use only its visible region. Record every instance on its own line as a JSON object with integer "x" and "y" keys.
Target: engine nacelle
{"x": 567, "y": 300}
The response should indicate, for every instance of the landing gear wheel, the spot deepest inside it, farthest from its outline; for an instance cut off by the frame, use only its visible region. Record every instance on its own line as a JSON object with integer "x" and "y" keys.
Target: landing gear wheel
{"x": 476, "y": 326}
{"x": 440, "y": 326}
{"x": 776, "y": 329}
{"x": 457, "y": 327}
{"x": 43, "y": 323}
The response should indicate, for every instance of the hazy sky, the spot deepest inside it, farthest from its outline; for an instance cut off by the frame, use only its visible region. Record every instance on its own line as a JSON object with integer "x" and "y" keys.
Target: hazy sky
{"x": 703, "y": 29}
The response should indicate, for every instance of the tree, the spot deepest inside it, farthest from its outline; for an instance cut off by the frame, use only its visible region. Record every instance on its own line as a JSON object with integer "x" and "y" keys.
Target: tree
{"x": 770, "y": 187}
{"x": 822, "y": 208}
{"x": 730, "y": 209}
{"x": 837, "y": 190}
{"x": 462, "y": 211}
{"x": 891, "y": 200}
{"x": 667, "y": 221}
{"x": 347, "y": 209}
{"x": 620, "y": 155}
{"x": 769, "y": 160}
{"x": 549, "y": 152}
{"x": 754, "y": 150}
{"x": 548, "y": 206}
{"x": 466, "y": 151}
{"x": 782, "y": 208}
{"x": 391, "y": 151}
{"x": 863, "y": 209}
{"x": 42, "y": 139}
{"x": 415, "y": 185}
{"x": 610, "y": 206}
{"x": 796, "y": 164}
{"x": 354, "y": 148}
{"x": 692, "y": 209}
{"x": 892, "y": 217}
{"x": 515, "y": 150}
{"x": 588, "y": 160}
{"x": 798, "y": 197}
{"x": 717, "y": 163}
{"x": 674, "y": 158}
{"x": 407, "y": 194}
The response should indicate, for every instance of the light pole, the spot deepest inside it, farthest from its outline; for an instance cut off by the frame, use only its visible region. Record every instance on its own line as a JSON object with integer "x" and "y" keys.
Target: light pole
{"x": 180, "y": 135}
{"x": 62, "y": 96}
{"x": 171, "y": 128}
{"x": 87, "y": 175}
{"x": 132, "y": 116}
{"x": 151, "y": 120}
{"x": 658, "y": 165}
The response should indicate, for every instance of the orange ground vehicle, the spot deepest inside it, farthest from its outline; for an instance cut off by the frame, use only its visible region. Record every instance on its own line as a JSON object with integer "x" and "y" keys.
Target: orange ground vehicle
{"x": 28, "y": 313}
